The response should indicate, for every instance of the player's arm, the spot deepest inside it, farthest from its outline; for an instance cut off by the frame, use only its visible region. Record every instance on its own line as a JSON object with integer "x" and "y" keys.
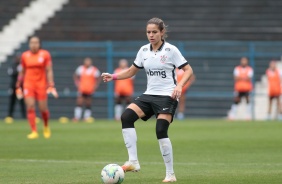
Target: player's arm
{"x": 130, "y": 72}
{"x": 188, "y": 72}
{"x": 98, "y": 81}
{"x": 50, "y": 75}
{"x": 50, "y": 78}
{"x": 20, "y": 78}
{"x": 76, "y": 79}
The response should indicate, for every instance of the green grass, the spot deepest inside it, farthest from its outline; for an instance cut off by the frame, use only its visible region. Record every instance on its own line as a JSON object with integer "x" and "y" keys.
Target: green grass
{"x": 205, "y": 151}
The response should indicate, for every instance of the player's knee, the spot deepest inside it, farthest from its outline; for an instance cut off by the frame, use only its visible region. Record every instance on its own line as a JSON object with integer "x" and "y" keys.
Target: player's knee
{"x": 237, "y": 101}
{"x": 128, "y": 118}
{"x": 162, "y": 128}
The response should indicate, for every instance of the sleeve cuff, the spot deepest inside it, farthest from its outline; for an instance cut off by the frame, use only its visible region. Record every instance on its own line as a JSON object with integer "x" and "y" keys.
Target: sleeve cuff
{"x": 138, "y": 66}
{"x": 181, "y": 66}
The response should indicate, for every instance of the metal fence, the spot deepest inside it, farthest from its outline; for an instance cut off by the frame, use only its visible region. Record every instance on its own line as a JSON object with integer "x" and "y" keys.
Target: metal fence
{"x": 225, "y": 53}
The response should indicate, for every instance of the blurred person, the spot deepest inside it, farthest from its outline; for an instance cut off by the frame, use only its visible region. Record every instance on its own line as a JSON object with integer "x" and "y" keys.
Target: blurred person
{"x": 182, "y": 99}
{"x": 242, "y": 87}
{"x": 274, "y": 88}
{"x": 38, "y": 81}
{"x": 123, "y": 89}
{"x": 87, "y": 79}
{"x": 159, "y": 59}
{"x": 13, "y": 72}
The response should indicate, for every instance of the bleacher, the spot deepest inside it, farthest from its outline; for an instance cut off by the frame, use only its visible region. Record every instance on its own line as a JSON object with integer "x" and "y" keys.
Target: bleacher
{"x": 187, "y": 19}
{"x": 9, "y": 9}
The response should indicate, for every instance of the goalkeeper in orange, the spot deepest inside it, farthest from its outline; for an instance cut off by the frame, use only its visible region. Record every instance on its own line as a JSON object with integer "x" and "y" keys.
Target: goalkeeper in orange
{"x": 37, "y": 79}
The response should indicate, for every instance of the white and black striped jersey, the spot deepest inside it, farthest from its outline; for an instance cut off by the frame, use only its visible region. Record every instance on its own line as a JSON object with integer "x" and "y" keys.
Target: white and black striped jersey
{"x": 160, "y": 67}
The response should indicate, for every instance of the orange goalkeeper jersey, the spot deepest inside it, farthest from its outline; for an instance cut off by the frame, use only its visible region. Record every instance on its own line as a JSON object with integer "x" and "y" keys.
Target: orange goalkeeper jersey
{"x": 35, "y": 65}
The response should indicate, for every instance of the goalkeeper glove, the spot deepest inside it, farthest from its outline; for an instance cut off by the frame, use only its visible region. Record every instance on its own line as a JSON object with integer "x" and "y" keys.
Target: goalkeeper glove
{"x": 52, "y": 90}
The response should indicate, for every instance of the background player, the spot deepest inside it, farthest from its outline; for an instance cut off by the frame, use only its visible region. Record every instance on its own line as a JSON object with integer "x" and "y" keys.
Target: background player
{"x": 159, "y": 59}
{"x": 37, "y": 77}
{"x": 182, "y": 99}
{"x": 123, "y": 89}
{"x": 274, "y": 88}
{"x": 13, "y": 72}
{"x": 87, "y": 79}
{"x": 243, "y": 86}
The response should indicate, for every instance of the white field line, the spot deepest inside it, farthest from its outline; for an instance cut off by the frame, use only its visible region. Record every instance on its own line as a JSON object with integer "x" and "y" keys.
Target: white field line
{"x": 142, "y": 163}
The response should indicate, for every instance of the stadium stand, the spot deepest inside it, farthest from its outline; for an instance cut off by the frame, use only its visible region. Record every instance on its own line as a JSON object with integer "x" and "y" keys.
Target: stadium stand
{"x": 10, "y": 9}
{"x": 188, "y": 20}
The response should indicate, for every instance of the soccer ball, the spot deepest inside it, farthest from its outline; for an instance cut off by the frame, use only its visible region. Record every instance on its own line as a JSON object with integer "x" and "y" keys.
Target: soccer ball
{"x": 112, "y": 174}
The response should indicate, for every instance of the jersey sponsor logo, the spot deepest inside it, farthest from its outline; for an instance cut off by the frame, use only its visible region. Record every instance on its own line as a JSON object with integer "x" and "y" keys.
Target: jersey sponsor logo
{"x": 145, "y": 49}
{"x": 163, "y": 58}
{"x": 165, "y": 109}
{"x": 167, "y": 49}
{"x": 161, "y": 73}
{"x": 145, "y": 59}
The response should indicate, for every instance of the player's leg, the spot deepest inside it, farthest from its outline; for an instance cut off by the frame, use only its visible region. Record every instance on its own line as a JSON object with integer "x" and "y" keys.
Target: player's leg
{"x": 164, "y": 108}
{"x": 31, "y": 115}
{"x": 12, "y": 101}
{"x": 163, "y": 122}
{"x": 41, "y": 97}
{"x": 181, "y": 107}
{"x": 78, "y": 108}
{"x": 23, "y": 109}
{"x": 234, "y": 107}
{"x": 270, "y": 99}
{"x": 118, "y": 106}
{"x": 249, "y": 106}
{"x": 279, "y": 107}
{"x": 128, "y": 118}
{"x": 88, "y": 104}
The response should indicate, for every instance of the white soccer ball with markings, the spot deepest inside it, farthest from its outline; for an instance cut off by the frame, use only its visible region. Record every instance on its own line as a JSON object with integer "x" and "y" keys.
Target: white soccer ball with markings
{"x": 112, "y": 174}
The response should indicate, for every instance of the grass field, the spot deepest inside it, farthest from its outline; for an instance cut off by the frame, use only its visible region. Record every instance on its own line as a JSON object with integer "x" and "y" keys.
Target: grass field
{"x": 205, "y": 151}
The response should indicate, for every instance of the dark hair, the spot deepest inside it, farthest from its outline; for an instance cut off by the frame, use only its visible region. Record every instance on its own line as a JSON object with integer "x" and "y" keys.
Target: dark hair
{"x": 34, "y": 36}
{"x": 161, "y": 25}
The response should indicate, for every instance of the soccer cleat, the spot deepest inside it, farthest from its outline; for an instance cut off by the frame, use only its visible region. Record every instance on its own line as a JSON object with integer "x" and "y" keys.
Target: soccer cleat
{"x": 75, "y": 120}
{"x": 47, "y": 132}
{"x": 89, "y": 120}
{"x": 170, "y": 177}
{"x": 131, "y": 166}
{"x": 33, "y": 135}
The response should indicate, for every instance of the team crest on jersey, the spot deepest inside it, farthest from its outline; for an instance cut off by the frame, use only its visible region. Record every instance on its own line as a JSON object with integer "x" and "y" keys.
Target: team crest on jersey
{"x": 163, "y": 58}
{"x": 167, "y": 49}
{"x": 40, "y": 59}
{"x": 145, "y": 49}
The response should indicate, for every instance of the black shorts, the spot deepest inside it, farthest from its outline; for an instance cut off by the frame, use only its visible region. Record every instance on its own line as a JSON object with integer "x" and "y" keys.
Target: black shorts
{"x": 85, "y": 95}
{"x": 241, "y": 94}
{"x": 155, "y": 105}
{"x": 274, "y": 97}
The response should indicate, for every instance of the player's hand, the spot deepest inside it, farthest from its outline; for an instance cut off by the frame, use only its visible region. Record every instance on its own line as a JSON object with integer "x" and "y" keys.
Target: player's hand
{"x": 177, "y": 92}
{"x": 19, "y": 93}
{"x": 52, "y": 90}
{"x": 107, "y": 77}
{"x": 76, "y": 82}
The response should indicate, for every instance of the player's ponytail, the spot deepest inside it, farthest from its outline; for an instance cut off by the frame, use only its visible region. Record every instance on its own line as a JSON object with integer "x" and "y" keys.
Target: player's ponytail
{"x": 161, "y": 25}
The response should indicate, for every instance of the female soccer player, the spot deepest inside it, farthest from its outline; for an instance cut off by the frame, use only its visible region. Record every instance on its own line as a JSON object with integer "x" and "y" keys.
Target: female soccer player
{"x": 87, "y": 79}
{"x": 274, "y": 88}
{"x": 37, "y": 78}
{"x": 123, "y": 89}
{"x": 159, "y": 59}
